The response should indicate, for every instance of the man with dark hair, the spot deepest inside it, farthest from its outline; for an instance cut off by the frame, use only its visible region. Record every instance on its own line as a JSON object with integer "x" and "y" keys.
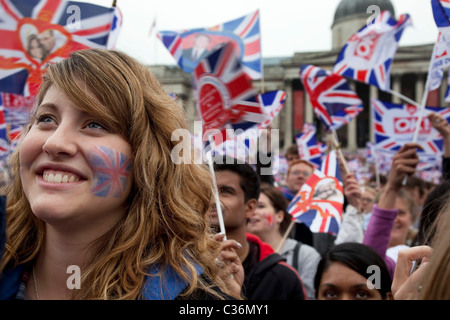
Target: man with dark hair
{"x": 292, "y": 154}
{"x": 267, "y": 275}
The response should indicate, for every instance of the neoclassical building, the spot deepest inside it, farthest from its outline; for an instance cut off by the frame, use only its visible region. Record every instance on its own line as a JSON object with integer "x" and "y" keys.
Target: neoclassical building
{"x": 408, "y": 75}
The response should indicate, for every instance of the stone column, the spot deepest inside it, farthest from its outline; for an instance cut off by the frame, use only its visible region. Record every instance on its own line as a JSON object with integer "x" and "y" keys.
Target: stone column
{"x": 397, "y": 87}
{"x": 309, "y": 111}
{"x": 288, "y": 114}
{"x": 420, "y": 87}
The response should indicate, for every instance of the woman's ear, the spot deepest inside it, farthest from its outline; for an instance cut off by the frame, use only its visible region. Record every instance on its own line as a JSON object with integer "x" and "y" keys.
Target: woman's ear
{"x": 279, "y": 216}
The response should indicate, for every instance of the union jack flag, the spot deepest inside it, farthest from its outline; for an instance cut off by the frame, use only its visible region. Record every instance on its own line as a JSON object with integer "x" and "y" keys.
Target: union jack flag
{"x": 111, "y": 169}
{"x": 4, "y": 143}
{"x": 243, "y": 33}
{"x": 241, "y": 144}
{"x": 224, "y": 93}
{"x": 368, "y": 54}
{"x": 319, "y": 203}
{"x": 35, "y": 33}
{"x": 309, "y": 148}
{"x": 395, "y": 124}
{"x": 334, "y": 103}
{"x": 441, "y": 51}
{"x": 272, "y": 102}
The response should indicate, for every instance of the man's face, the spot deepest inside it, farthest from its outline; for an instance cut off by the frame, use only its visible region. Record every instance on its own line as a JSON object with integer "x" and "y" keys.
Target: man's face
{"x": 291, "y": 158}
{"x": 48, "y": 40}
{"x": 299, "y": 173}
{"x": 235, "y": 210}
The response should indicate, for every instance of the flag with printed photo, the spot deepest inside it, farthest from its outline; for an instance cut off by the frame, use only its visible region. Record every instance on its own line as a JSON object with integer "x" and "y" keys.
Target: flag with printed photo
{"x": 368, "y": 54}
{"x": 38, "y": 32}
{"x": 189, "y": 47}
{"x": 320, "y": 201}
{"x": 333, "y": 101}
{"x": 395, "y": 124}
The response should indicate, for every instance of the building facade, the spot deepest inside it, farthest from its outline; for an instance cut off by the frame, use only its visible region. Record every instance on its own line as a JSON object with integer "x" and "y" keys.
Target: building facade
{"x": 408, "y": 75}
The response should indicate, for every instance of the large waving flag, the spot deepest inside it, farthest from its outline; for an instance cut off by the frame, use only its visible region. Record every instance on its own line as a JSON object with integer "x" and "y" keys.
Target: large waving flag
{"x": 309, "y": 148}
{"x": 440, "y": 58}
{"x": 188, "y": 47}
{"x": 320, "y": 201}
{"x": 35, "y": 33}
{"x": 242, "y": 144}
{"x": 395, "y": 124}
{"x": 224, "y": 92}
{"x": 333, "y": 101}
{"x": 368, "y": 54}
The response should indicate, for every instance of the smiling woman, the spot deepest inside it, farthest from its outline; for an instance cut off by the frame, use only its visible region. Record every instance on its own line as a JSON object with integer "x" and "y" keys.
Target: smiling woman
{"x": 94, "y": 188}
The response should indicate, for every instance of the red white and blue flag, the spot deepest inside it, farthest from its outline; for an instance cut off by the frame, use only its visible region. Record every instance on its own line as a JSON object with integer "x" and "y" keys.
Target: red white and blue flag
{"x": 333, "y": 101}
{"x": 243, "y": 33}
{"x": 440, "y": 58}
{"x": 395, "y": 124}
{"x": 35, "y": 33}
{"x": 15, "y": 114}
{"x": 320, "y": 201}
{"x": 241, "y": 141}
{"x": 367, "y": 56}
{"x": 4, "y": 141}
{"x": 224, "y": 93}
{"x": 309, "y": 148}
{"x": 272, "y": 102}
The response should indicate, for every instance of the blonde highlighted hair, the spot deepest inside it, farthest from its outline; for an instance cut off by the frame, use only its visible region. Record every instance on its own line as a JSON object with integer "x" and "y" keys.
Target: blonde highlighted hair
{"x": 166, "y": 222}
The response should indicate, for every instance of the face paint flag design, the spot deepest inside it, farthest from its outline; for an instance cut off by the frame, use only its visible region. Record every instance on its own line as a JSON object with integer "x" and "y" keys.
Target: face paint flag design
{"x": 334, "y": 103}
{"x": 111, "y": 169}
{"x": 368, "y": 54}
{"x": 319, "y": 203}
{"x": 35, "y": 33}
{"x": 188, "y": 47}
{"x": 395, "y": 124}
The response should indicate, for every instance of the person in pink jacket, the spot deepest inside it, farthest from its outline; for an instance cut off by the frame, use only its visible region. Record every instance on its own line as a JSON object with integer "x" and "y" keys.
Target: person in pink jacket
{"x": 380, "y": 228}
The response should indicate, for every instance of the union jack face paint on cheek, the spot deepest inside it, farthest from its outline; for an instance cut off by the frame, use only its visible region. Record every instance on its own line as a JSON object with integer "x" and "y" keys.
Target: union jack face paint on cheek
{"x": 111, "y": 169}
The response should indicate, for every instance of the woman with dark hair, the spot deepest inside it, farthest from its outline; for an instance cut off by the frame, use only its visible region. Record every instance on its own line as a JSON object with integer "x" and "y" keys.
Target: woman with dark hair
{"x": 352, "y": 271}
{"x": 270, "y": 222}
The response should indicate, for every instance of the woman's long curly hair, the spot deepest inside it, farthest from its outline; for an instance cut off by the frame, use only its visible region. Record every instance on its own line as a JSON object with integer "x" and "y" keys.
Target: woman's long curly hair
{"x": 166, "y": 221}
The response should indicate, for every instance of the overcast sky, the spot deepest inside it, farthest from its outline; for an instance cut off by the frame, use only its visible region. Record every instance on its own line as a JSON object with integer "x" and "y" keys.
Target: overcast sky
{"x": 287, "y": 26}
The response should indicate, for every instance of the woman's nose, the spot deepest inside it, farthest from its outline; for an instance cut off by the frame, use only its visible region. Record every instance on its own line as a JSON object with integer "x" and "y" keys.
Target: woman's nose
{"x": 60, "y": 142}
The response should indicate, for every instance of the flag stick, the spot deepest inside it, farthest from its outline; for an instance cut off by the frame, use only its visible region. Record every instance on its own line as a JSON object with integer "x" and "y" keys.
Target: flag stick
{"x": 286, "y": 234}
{"x": 419, "y": 120}
{"x": 401, "y": 96}
{"x": 337, "y": 146}
{"x": 216, "y": 192}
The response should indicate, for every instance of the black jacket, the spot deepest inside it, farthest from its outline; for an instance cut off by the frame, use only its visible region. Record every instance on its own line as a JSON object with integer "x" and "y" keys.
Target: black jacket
{"x": 270, "y": 277}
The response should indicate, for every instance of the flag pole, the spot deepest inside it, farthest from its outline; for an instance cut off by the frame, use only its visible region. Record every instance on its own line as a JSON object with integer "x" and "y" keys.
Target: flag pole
{"x": 286, "y": 234}
{"x": 216, "y": 192}
{"x": 401, "y": 96}
{"x": 421, "y": 108}
{"x": 337, "y": 146}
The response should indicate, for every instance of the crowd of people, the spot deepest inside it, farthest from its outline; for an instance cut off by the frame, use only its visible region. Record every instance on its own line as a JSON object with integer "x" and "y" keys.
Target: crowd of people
{"x": 93, "y": 185}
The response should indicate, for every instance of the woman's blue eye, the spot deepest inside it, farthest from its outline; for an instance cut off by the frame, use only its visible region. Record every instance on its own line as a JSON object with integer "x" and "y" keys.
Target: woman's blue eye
{"x": 44, "y": 118}
{"x": 94, "y": 125}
